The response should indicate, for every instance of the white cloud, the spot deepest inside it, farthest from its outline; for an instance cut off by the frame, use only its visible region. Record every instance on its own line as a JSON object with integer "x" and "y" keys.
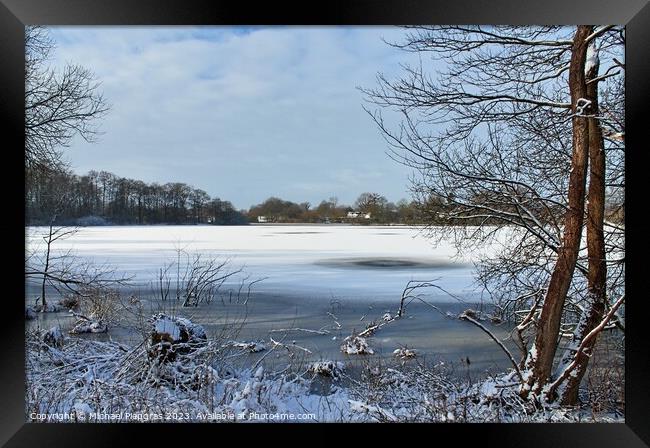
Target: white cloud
{"x": 239, "y": 114}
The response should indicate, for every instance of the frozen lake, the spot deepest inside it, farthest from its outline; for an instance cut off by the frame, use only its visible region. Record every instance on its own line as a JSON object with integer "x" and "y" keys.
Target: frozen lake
{"x": 367, "y": 262}
{"x": 314, "y": 276}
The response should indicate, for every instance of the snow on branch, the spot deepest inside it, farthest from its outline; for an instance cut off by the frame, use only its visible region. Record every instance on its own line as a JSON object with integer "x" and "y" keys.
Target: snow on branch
{"x": 598, "y": 32}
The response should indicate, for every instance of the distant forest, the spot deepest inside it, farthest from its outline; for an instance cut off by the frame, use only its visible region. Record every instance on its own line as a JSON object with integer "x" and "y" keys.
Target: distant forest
{"x": 61, "y": 197}
{"x": 102, "y": 198}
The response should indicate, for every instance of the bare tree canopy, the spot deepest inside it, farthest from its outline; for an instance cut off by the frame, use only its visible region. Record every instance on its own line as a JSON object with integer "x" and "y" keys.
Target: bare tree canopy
{"x": 59, "y": 103}
{"x": 521, "y": 128}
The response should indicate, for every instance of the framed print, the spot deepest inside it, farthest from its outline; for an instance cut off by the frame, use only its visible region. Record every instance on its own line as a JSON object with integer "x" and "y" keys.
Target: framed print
{"x": 381, "y": 213}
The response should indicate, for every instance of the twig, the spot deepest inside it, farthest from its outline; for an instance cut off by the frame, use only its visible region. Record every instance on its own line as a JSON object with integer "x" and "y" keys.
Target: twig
{"x": 306, "y": 330}
{"x": 280, "y": 344}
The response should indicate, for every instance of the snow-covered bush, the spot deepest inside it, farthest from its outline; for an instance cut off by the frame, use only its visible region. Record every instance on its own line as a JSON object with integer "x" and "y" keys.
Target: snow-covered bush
{"x": 171, "y": 335}
{"x": 54, "y": 337}
{"x": 404, "y": 353}
{"x": 99, "y": 309}
{"x": 252, "y": 346}
{"x": 423, "y": 394}
{"x": 85, "y": 325}
{"x": 70, "y": 302}
{"x": 101, "y": 304}
{"x": 356, "y": 345}
{"x": 332, "y": 369}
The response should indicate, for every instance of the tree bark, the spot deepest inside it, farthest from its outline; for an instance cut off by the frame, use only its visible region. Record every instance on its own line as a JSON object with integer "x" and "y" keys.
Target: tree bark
{"x": 594, "y": 309}
{"x": 540, "y": 359}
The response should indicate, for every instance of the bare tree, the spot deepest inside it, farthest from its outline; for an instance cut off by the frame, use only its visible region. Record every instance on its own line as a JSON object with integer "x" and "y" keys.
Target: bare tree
{"x": 52, "y": 236}
{"x": 541, "y": 357}
{"x": 64, "y": 271}
{"x": 575, "y": 362}
{"x": 501, "y": 137}
{"x": 59, "y": 104}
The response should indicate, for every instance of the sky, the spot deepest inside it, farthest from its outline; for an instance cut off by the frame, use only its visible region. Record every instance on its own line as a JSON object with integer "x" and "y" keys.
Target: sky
{"x": 243, "y": 113}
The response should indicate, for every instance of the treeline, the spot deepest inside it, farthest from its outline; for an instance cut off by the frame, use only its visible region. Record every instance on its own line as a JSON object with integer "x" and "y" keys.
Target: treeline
{"x": 103, "y": 198}
{"x": 369, "y": 208}
{"x": 373, "y": 208}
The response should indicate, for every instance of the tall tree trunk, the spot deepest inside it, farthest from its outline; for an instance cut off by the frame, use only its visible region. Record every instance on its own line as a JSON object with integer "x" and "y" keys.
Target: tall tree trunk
{"x": 594, "y": 309}
{"x": 539, "y": 362}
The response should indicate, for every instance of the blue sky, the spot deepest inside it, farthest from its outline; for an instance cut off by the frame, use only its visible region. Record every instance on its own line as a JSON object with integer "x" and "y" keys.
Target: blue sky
{"x": 242, "y": 112}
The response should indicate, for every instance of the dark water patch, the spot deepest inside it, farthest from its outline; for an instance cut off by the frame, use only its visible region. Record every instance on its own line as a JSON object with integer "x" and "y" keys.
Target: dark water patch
{"x": 389, "y": 263}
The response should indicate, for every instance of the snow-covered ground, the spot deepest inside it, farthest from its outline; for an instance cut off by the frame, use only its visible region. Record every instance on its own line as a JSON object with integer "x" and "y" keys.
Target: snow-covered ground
{"x": 106, "y": 382}
{"x": 371, "y": 262}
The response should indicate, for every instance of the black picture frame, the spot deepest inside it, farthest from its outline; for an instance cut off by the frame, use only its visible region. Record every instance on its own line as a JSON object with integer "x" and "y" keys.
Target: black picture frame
{"x": 15, "y": 14}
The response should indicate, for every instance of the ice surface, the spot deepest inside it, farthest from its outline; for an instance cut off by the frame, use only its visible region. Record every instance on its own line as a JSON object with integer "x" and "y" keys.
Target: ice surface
{"x": 373, "y": 262}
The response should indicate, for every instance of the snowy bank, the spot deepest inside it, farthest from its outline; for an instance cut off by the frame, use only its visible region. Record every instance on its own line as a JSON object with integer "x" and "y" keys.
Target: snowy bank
{"x": 81, "y": 380}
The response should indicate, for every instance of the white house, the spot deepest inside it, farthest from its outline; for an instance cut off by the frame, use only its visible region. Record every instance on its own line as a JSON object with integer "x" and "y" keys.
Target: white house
{"x": 262, "y": 219}
{"x": 354, "y": 215}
